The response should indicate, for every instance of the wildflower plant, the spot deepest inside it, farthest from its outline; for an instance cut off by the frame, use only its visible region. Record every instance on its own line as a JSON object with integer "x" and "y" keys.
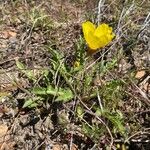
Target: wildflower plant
{"x": 59, "y": 84}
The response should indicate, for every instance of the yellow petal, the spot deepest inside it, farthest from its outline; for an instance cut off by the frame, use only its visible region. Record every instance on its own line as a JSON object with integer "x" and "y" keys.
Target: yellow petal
{"x": 88, "y": 27}
{"x": 92, "y": 41}
{"x": 88, "y": 31}
{"x": 105, "y": 35}
{"x": 102, "y": 29}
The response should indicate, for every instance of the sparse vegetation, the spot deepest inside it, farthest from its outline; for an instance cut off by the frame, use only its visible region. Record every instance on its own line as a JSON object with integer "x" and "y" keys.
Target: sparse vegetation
{"x": 55, "y": 92}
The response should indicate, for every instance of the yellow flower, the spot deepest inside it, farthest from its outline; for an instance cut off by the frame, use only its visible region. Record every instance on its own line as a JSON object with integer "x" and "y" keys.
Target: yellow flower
{"x": 76, "y": 64}
{"x": 97, "y": 37}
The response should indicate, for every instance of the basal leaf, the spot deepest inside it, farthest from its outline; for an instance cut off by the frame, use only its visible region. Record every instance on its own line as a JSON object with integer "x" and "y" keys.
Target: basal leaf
{"x": 64, "y": 95}
{"x": 39, "y": 91}
{"x": 30, "y": 103}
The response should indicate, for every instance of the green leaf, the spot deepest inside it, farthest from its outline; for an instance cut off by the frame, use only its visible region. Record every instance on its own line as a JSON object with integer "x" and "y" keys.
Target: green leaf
{"x": 33, "y": 102}
{"x": 86, "y": 129}
{"x": 30, "y": 103}
{"x": 27, "y": 72}
{"x": 20, "y": 65}
{"x": 52, "y": 91}
{"x": 109, "y": 66}
{"x": 39, "y": 91}
{"x": 80, "y": 112}
{"x": 116, "y": 118}
{"x": 65, "y": 95}
{"x": 117, "y": 121}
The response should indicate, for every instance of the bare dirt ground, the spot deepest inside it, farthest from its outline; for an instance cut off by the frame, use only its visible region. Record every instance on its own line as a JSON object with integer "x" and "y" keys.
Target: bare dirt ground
{"x": 27, "y": 27}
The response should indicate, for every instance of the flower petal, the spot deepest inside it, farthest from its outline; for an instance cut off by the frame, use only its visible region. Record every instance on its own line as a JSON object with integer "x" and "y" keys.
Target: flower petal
{"x": 88, "y": 27}
{"x": 105, "y": 35}
{"x": 102, "y": 29}
{"x": 92, "y": 41}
